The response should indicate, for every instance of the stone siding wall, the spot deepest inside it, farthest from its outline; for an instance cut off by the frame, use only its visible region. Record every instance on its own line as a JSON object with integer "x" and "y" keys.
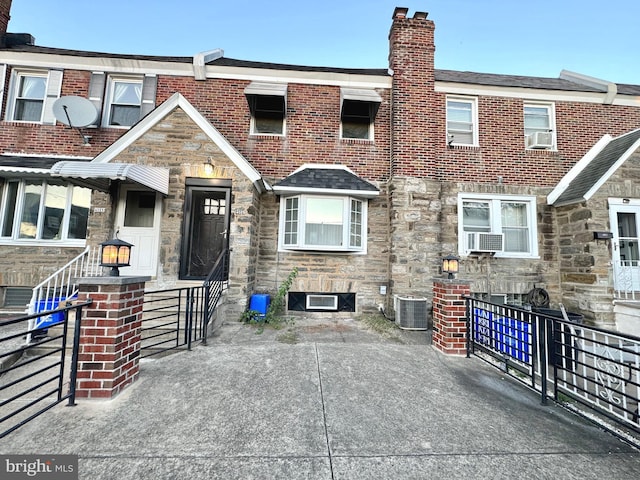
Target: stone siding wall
{"x": 328, "y": 272}
{"x": 585, "y": 263}
{"x": 424, "y": 228}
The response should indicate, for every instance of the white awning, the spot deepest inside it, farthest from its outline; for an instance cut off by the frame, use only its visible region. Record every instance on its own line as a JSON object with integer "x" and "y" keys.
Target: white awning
{"x": 98, "y": 175}
{"x": 263, "y": 88}
{"x": 360, "y": 94}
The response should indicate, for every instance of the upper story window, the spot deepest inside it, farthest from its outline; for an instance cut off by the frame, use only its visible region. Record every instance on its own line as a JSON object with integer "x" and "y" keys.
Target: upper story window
{"x": 36, "y": 210}
{"x": 503, "y": 224}
{"x": 32, "y": 94}
{"x": 462, "y": 121}
{"x": 268, "y": 106}
{"x": 124, "y": 99}
{"x": 357, "y": 113}
{"x": 121, "y": 101}
{"x": 323, "y": 222}
{"x": 539, "y": 126}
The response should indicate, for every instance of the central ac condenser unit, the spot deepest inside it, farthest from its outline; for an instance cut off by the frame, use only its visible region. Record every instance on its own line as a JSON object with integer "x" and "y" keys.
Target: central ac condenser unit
{"x": 411, "y": 312}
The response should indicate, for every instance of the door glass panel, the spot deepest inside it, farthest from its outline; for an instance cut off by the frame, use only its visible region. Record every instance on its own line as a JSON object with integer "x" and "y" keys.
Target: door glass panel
{"x": 139, "y": 210}
{"x": 628, "y": 237}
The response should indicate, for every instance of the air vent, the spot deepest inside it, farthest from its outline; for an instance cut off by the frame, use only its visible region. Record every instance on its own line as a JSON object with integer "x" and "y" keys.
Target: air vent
{"x": 411, "y": 313}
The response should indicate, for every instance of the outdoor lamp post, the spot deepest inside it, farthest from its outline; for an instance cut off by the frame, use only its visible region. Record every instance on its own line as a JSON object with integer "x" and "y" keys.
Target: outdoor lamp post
{"x": 450, "y": 265}
{"x": 115, "y": 253}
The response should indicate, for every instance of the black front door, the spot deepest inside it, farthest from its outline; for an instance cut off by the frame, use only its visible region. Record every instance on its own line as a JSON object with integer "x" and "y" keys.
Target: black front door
{"x": 206, "y": 229}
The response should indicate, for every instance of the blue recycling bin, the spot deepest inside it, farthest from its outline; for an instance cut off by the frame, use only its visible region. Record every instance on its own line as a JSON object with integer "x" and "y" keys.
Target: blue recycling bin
{"x": 42, "y": 323}
{"x": 506, "y": 335}
{"x": 260, "y": 303}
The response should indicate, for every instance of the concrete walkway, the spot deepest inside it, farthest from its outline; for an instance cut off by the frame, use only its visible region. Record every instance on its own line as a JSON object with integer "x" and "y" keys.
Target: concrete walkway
{"x": 323, "y": 401}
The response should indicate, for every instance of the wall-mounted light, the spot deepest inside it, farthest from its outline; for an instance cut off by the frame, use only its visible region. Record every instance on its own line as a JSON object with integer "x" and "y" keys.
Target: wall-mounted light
{"x": 208, "y": 167}
{"x": 115, "y": 253}
{"x": 450, "y": 265}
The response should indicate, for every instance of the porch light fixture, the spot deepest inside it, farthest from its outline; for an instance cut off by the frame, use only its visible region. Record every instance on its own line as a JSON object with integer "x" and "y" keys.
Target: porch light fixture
{"x": 450, "y": 265}
{"x": 115, "y": 253}
{"x": 208, "y": 167}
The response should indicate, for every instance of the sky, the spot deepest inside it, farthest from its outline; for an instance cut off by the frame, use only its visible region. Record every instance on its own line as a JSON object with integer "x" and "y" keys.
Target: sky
{"x": 533, "y": 38}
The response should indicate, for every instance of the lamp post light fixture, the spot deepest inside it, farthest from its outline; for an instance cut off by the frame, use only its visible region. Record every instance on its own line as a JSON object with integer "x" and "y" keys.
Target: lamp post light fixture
{"x": 115, "y": 253}
{"x": 450, "y": 265}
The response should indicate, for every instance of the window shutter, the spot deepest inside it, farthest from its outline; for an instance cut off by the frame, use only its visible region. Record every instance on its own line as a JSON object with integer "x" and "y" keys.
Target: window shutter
{"x": 54, "y": 85}
{"x": 96, "y": 92}
{"x": 149, "y": 85}
{"x": 3, "y": 78}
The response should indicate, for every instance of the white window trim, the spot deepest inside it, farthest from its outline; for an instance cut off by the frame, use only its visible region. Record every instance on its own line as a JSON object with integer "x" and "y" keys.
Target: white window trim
{"x": 111, "y": 80}
{"x": 15, "y": 239}
{"x": 496, "y": 225}
{"x": 551, "y": 107}
{"x": 474, "y": 118}
{"x": 13, "y": 93}
{"x": 300, "y": 246}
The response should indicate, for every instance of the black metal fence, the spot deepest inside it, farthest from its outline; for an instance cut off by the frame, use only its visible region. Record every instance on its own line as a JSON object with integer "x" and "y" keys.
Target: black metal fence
{"x": 35, "y": 373}
{"x": 177, "y": 317}
{"x": 172, "y": 319}
{"x": 592, "y": 371}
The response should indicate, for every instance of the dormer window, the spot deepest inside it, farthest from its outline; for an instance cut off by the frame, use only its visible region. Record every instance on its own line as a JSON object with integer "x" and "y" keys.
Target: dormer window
{"x": 357, "y": 113}
{"x": 268, "y": 106}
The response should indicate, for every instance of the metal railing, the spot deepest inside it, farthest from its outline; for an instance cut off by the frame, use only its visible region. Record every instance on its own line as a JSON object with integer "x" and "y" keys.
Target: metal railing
{"x": 592, "y": 371}
{"x": 215, "y": 284}
{"x": 626, "y": 278}
{"x": 37, "y": 376}
{"x": 172, "y": 318}
{"x": 176, "y": 317}
{"x": 60, "y": 286}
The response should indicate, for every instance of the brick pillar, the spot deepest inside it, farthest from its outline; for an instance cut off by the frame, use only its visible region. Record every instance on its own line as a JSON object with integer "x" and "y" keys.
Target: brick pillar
{"x": 449, "y": 315}
{"x": 110, "y": 335}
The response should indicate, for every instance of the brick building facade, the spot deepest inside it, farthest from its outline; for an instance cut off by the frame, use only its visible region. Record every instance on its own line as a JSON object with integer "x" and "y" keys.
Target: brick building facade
{"x": 410, "y": 163}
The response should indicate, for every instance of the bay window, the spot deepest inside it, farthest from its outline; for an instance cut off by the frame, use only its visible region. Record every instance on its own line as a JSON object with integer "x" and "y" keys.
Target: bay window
{"x": 44, "y": 211}
{"x": 316, "y": 222}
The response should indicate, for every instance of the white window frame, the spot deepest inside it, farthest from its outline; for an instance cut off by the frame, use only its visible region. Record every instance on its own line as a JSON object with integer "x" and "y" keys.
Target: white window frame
{"x": 109, "y": 99}
{"x": 551, "y": 112}
{"x": 298, "y": 243}
{"x": 495, "y": 222}
{"x": 14, "y": 237}
{"x": 16, "y": 78}
{"x": 473, "y": 102}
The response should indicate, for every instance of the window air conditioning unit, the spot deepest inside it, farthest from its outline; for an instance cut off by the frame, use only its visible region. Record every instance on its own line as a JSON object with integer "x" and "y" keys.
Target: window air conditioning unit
{"x": 411, "y": 313}
{"x": 540, "y": 140}
{"x": 485, "y": 242}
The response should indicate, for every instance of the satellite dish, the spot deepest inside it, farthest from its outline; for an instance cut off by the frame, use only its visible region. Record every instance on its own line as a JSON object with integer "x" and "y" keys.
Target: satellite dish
{"x": 75, "y": 111}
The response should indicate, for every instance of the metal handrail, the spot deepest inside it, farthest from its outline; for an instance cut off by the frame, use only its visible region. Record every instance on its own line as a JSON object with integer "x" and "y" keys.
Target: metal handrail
{"x": 60, "y": 284}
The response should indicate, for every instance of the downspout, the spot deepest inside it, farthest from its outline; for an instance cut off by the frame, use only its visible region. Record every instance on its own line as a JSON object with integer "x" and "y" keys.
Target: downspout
{"x": 610, "y": 89}
{"x": 201, "y": 59}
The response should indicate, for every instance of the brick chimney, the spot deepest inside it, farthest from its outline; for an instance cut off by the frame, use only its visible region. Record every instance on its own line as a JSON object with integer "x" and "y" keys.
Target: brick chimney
{"x": 411, "y": 59}
{"x": 5, "y": 10}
